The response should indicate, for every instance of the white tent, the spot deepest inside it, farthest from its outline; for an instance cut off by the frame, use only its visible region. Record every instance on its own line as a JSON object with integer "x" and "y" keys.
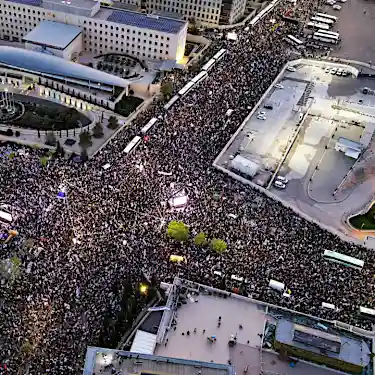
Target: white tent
{"x": 245, "y": 166}
{"x": 144, "y": 343}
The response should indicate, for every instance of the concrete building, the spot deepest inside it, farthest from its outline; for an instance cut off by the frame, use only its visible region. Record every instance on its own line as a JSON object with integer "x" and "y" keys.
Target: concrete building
{"x": 59, "y": 79}
{"x": 327, "y": 347}
{"x": 111, "y": 361}
{"x": 206, "y": 12}
{"x": 55, "y": 38}
{"x": 104, "y": 29}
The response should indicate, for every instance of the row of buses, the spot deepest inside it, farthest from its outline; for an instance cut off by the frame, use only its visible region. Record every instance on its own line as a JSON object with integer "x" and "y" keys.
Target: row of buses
{"x": 321, "y": 24}
{"x": 198, "y": 78}
{"x": 202, "y": 75}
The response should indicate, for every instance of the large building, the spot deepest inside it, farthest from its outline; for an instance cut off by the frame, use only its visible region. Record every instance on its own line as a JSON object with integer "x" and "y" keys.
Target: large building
{"x": 104, "y": 29}
{"x": 61, "y": 80}
{"x": 206, "y": 12}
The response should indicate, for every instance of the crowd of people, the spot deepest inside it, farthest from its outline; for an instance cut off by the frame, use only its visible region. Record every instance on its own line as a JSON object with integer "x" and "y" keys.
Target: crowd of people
{"x": 112, "y": 223}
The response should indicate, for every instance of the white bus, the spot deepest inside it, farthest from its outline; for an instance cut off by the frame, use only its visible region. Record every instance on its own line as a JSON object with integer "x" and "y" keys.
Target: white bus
{"x": 293, "y": 40}
{"x": 220, "y": 54}
{"x": 346, "y": 260}
{"x": 328, "y": 16}
{"x": 326, "y": 21}
{"x": 200, "y": 77}
{"x": 186, "y": 88}
{"x": 332, "y": 33}
{"x": 367, "y": 313}
{"x": 171, "y": 102}
{"x": 326, "y": 38}
{"x": 209, "y": 65}
{"x": 149, "y": 125}
{"x": 132, "y": 144}
{"x": 5, "y": 217}
{"x": 317, "y": 26}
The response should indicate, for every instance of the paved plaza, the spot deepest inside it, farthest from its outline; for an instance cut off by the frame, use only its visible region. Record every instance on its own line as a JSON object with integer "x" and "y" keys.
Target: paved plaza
{"x": 320, "y": 178}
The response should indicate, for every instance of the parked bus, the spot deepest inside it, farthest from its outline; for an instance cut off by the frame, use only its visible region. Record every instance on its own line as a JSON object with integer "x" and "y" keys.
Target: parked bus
{"x": 317, "y": 26}
{"x": 186, "y": 88}
{"x": 200, "y": 77}
{"x": 171, "y": 102}
{"x": 367, "y": 313}
{"x": 132, "y": 144}
{"x": 332, "y": 33}
{"x": 327, "y": 16}
{"x": 209, "y": 65}
{"x": 326, "y": 38}
{"x": 326, "y": 21}
{"x": 346, "y": 260}
{"x": 149, "y": 125}
{"x": 293, "y": 40}
{"x": 218, "y": 56}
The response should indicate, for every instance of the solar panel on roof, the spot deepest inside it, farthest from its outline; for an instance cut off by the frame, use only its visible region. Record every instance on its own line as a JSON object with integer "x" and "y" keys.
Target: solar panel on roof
{"x": 140, "y": 20}
{"x": 37, "y": 3}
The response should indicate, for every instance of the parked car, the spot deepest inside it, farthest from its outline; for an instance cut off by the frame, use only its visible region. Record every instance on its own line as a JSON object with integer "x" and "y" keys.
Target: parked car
{"x": 278, "y": 184}
{"x": 333, "y": 70}
{"x": 282, "y": 179}
{"x": 339, "y": 71}
{"x": 336, "y": 7}
{"x": 291, "y": 69}
{"x": 260, "y": 117}
{"x": 328, "y": 70}
{"x": 279, "y": 86}
{"x": 262, "y": 113}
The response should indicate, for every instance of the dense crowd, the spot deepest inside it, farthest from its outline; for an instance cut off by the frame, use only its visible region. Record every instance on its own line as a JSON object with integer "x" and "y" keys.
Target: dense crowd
{"x": 118, "y": 216}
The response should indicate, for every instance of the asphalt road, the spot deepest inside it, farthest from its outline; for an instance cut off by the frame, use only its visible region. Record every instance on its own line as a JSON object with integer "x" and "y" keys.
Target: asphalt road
{"x": 357, "y": 30}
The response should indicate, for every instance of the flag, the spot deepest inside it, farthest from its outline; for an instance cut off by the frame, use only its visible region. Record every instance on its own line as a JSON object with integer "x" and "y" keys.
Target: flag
{"x": 61, "y": 194}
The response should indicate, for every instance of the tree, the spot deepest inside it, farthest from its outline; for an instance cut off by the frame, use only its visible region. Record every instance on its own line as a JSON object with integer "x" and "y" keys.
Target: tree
{"x": 166, "y": 89}
{"x": 200, "y": 239}
{"x": 97, "y": 132}
{"x": 178, "y": 231}
{"x": 51, "y": 139}
{"x": 219, "y": 246}
{"x": 26, "y": 348}
{"x": 44, "y": 161}
{"x": 112, "y": 123}
{"x": 85, "y": 140}
{"x": 84, "y": 156}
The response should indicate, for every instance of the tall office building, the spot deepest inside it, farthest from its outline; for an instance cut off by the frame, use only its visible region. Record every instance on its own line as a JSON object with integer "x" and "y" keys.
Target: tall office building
{"x": 104, "y": 29}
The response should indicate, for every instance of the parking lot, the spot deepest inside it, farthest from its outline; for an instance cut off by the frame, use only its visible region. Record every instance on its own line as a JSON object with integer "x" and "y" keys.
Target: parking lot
{"x": 312, "y": 166}
{"x": 356, "y": 27}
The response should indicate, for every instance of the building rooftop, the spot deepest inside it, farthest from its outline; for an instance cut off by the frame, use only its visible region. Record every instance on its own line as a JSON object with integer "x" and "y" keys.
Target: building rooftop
{"x": 351, "y": 144}
{"x": 53, "y": 34}
{"x": 147, "y": 21}
{"x": 35, "y": 3}
{"x": 103, "y": 361}
{"x": 41, "y": 63}
{"x": 82, "y": 4}
{"x": 350, "y": 350}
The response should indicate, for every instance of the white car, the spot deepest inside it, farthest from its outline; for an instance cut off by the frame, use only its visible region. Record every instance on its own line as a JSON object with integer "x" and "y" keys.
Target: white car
{"x": 262, "y": 113}
{"x": 336, "y": 7}
{"x": 282, "y": 179}
{"x": 279, "y": 86}
{"x": 328, "y": 70}
{"x": 260, "y": 117}
{"x": 291, "y": 68}
{"x": 340, "y": 71}
{"x": 279, "y": 184}
{"x": 333, "y": 70}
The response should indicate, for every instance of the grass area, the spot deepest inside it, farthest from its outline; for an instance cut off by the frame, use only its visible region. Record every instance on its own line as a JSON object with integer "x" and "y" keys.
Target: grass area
{"x": 50, "y": 117}
{"x": 366, "y": 221}
{"x": 127, "y": 105}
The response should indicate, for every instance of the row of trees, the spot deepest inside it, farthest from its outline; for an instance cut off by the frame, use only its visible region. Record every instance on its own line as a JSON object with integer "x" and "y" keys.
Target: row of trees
{"x": 179, "y": 231}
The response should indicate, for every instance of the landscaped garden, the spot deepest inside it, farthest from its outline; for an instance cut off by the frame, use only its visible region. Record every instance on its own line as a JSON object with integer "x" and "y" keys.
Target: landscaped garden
{"x": 42, "y": 114}
{"x": 127, "y": 105}
{"x": 365, "y": 221}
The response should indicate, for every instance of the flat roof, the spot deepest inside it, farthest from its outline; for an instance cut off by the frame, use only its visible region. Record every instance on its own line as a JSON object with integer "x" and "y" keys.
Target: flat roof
{"x": 53, "y": 34}
{"x": 82, "y": 4}
{"x": 351, "y": 144}
{"x": 146, "y": 21}
{"x": 35, "y": 3}
{"x": 103, "y": 361}
{"x": 352, "y": 350}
